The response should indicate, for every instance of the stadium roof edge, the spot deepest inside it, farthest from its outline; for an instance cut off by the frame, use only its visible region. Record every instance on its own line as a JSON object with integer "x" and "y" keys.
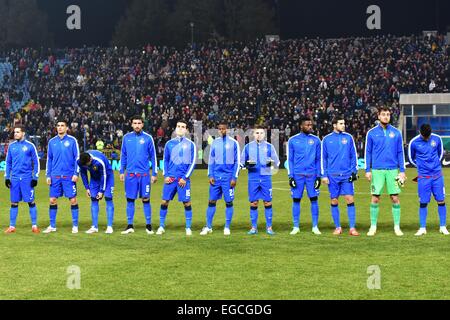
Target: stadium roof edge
{"x": 427, "y": 98}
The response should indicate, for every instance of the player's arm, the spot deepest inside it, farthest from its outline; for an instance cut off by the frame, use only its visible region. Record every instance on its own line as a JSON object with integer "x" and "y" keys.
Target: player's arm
{"x": 192, "y": 158}
{"x": 123, "y": 159}
{"x": 237, "y": 161}
{"x": 368, "y": 156}
{"x": 102, "y": 171}
{"x": 324, "y": 160}
{"x": 49, "y": 166}
{"x": 318, "y": 158}
{"x": 290, "y": 156}
{"x": 412, "y": 153}
{"x": 76, "y": 155}
{"x": 401, "y": 154}
{"x": 440, "y": 149}
{"x": 244, "y": 157}
{"x": 274, "y": 156}
{"x": 84, "y": 177}
{"x": 152, "y": 153}
{"x": 211, "y": 162}
{"x": 166, "y": 160}
{"x": 353, "y": 156}
{"x": 36, "y": 166}
{"x": 8, "y": 165}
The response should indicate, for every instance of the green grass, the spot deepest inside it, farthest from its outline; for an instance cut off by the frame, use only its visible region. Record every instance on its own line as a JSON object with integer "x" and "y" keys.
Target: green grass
{"x": 305, "y": 266}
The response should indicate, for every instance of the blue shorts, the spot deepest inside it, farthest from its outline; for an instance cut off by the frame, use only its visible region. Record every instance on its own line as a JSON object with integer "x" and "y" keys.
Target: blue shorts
{"x": 303, "y": 181}
{"x": 260, "y": 189}
{"x": 137, "y": 186}
{"x": 340, "y": 186}
{"x": 221, "y": 187}
{"x": 430, "y": 185}
{"x": 94, "y": 187}
{"x": 21, "y": 190}
{"x": 184, "y": 194}
{"x": 63, "y": 186}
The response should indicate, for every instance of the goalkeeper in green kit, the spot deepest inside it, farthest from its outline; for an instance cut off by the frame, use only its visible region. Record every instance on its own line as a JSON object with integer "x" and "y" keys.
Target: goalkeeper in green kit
{"x": 385, "y": 163}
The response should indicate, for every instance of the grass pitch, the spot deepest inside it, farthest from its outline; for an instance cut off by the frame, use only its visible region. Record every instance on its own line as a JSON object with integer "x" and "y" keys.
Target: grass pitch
{"x": 172, "y": 266}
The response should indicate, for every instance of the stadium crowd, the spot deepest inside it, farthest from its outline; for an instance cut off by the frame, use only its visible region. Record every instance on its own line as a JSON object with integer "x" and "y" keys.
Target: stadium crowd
{"x": 273, "y": 84}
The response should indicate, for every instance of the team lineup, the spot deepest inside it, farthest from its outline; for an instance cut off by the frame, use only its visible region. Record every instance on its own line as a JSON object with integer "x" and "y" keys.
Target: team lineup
{"x": 310, "y": 163}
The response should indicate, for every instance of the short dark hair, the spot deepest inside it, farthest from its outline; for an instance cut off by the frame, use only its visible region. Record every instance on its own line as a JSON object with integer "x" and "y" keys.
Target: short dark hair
{"x": 258, "y": 126}
{"x": 137, "y": 117}
{"x": 63, "y": 120}
{"x": 222, "y": 122}
{"x": 425, "y": 130}
{"x": 85, "y": 158}
{"x": 337, "y": 119}
{"x": 19, "y": 126}
{"x": 183, "y": 121}
{"x": 304, "y": 119}
{"x": 383, "y": 108}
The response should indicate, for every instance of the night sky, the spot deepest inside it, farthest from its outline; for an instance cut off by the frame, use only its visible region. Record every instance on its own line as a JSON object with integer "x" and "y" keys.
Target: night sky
{"x": 323, "y": 18}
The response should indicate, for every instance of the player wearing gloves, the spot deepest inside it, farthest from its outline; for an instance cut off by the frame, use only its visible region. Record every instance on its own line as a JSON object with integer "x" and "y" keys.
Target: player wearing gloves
{"x": 303, "y": 156}
{"x": 339, "y": 169}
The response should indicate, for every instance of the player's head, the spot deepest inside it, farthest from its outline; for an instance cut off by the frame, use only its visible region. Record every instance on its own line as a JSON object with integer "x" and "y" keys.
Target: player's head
{"x": 384, "y": 115}
{"x": 259, "y": 133}
{"x": 19, "y": 132}
{"x": 222, "y": 127}
{"x": 62, "y": 126}
{"x": 306, "y": 124}
{"x": 85, "y": 159}
{"x": 425, "y": 131}
{"x": 338, "y": 124}
{"x": 181, "y": 128}
{"x": 137, "y": 123}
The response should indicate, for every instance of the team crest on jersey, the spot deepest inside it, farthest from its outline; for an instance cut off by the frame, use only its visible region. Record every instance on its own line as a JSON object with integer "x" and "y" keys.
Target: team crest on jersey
{"x": 227, "y": 146}
{"x": 95, "y": 168}
{"x": 67, "y": 143}
{"x": 311, "y": 141}
{"x": 391, "y": 135}
{"x": 344, "y": 140}
{"x": 142, "y": 141}
{"x": 24, "y": 148}
{"x": 433, "y": 143}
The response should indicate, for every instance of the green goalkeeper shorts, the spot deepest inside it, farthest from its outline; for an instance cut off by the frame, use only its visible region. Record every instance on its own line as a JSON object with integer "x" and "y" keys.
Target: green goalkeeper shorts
{"x": 380, "y": 177}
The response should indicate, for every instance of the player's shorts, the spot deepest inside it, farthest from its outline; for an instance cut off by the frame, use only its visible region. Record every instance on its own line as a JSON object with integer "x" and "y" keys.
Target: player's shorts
{"x": 221, "y": 187}
{"x": 260, "y": 190}
{"x": 184, "y": 193}
{"x": 63, "y": 185}
{"x": 21, "y": 190}
{"x": 428, "y": 185}
{"x": 380, "y": 177}
{"x": 137, "y": 185}
{"x": 94, "y": 186}
{"x": 304, "y": 181}
{"x": 340, "y": 186}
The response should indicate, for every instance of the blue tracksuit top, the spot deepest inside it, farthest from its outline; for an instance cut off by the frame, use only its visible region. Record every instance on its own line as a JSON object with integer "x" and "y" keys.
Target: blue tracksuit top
{"x": 224, "y": 159}
{"x": 303, "y": 154}
{"x": 260, "y": 153}
{"x": 137, "y": 152}
{"x": 384, "y": 149}
{"x": 62, "y": 156}
{"x": 426, "y": 155}
{"x": 22, "y": 161}
{"x": 99, "y": 169}
{"x": 339, "y": 155}
{"x": 179, "y": 158}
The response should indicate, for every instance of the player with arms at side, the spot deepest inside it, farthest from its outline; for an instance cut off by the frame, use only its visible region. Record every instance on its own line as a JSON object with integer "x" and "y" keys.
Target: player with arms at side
{"x": 179, "y": 162}
{"x": 426, "y": 151}
{"x": 303, "y": 155}
{"x": 21, "y": 177}
{"x": 62, "y": 173}
{"x": 223, "y": 171}
{"x": 138, "y": 150}
{"x": 339, "y": 170}
{"x": 384, "y": 158}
